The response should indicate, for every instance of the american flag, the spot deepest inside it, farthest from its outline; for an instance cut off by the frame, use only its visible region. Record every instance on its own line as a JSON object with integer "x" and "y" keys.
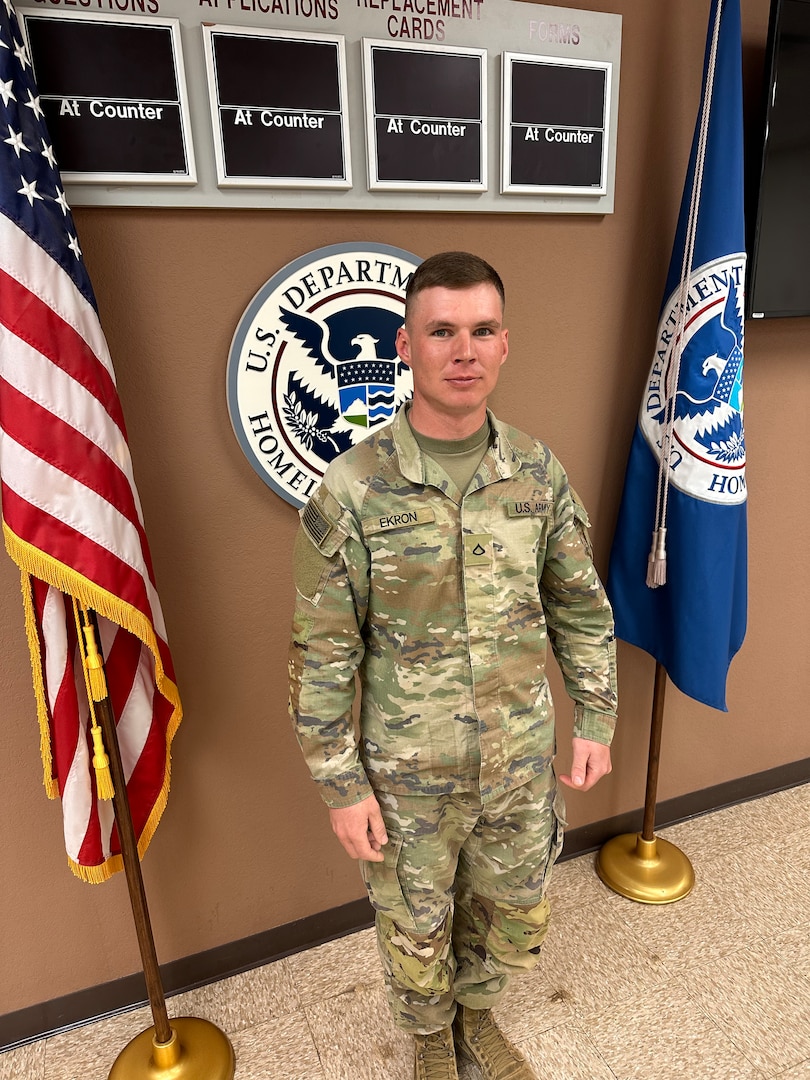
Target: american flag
{"x": 71, "y": 515}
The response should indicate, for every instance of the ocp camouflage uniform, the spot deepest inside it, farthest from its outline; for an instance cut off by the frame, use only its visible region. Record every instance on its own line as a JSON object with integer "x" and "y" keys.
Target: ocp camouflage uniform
{"x": 445, "y": 604}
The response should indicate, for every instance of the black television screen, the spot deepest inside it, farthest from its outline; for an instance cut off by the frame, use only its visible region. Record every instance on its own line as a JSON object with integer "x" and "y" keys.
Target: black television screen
{"x": 779, "y": 269}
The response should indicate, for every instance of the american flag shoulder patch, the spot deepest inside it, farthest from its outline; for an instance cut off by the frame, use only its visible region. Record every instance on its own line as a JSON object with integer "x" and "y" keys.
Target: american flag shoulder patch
{"x": 321, "y": 519}
{"x": 316, "y": 523}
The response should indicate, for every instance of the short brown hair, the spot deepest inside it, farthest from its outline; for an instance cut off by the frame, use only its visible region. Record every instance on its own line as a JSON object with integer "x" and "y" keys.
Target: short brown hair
{"x": 452, "y": 270}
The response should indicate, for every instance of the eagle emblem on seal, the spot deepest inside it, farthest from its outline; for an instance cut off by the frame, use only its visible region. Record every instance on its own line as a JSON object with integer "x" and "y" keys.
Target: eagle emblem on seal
{"x": 313, "y": 366}
{"x": 355, "y": 349}
{"x": 708, "y": 404}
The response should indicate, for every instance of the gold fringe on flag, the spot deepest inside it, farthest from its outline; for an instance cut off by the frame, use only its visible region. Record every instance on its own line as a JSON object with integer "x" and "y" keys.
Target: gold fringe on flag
{"x": 35, "y": 563}
{"x": 40, "y": 565}
{"x": 51, "y": 784}
{"x": 97, "y": 875}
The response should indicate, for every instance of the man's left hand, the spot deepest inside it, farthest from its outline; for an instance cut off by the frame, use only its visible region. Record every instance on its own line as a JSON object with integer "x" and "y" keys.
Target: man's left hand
{"x": 591, "y": 762}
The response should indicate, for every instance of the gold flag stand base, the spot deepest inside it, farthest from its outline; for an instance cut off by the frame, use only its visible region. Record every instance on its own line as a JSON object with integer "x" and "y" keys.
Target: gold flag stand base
{"x": 650, "y": 871}
{"x": 197, "y": 1050}
{"x": 186, "y": 1048}
{"x": 642, "y": 866}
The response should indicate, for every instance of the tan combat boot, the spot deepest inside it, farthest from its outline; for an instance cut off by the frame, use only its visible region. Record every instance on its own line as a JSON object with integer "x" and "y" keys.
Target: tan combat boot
{"x": 479, "y": 1038}
{"x": 435, "y": 1056}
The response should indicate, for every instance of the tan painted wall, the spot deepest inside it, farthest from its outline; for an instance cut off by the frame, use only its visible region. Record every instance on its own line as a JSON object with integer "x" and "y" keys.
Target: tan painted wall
{"x": 244, "y": 845}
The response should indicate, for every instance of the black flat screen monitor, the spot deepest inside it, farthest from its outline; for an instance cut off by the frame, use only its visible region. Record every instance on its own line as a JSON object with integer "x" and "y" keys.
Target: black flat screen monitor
{"x": 779, "y": 247}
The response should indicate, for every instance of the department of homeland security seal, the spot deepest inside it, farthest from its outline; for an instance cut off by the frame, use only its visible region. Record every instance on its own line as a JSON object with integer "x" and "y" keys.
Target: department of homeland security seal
{"x": 707, "y": 456}
{"x": 313, "y": 366}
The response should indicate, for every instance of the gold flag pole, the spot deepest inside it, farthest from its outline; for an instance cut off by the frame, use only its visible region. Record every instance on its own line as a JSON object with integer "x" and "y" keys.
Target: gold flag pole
{"x": 186, "y": 1048}
{"x": 643, "y": 866}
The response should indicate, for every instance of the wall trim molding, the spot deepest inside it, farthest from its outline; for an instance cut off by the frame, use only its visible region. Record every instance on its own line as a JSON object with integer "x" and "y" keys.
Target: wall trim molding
{"x": 188, "y": 973}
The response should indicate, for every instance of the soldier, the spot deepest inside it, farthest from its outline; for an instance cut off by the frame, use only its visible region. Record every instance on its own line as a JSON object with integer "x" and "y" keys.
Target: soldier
{"x": 438, "y": 559}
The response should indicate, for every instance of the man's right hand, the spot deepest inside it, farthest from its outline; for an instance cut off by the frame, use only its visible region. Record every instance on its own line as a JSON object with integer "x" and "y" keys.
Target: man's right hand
{"x": 360, "y": 829}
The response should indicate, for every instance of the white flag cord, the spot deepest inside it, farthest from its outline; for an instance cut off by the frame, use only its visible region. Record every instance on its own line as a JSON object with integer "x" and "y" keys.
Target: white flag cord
{"x": 657, "y": 561}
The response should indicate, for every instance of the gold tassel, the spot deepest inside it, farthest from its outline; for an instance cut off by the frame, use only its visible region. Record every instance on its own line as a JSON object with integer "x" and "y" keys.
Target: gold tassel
{"x": 101, "y": 763}
{"x": 42, "y": 566}
{"x": 657, "y": 562}
{"x": 38, "y": 564}
{"x": 96, "y": 684}
{"x": 95, "y": 665}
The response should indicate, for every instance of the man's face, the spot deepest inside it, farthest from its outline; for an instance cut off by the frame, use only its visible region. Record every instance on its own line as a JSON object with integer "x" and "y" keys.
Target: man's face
{"x": 454, "y": 343}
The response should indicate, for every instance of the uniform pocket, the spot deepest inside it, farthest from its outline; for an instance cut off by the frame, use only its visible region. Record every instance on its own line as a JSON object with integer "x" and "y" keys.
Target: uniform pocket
{"x": 311, "y": 568}
{"x": 415, "y": 555}
{"x": 384, "y": 882}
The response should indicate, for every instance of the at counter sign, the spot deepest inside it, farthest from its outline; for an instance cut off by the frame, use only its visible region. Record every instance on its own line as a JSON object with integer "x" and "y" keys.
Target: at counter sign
{"x": 313, "y": 366}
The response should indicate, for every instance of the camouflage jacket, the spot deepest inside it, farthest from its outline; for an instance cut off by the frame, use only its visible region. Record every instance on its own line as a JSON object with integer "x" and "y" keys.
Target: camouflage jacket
{"x": 445, "y": 606}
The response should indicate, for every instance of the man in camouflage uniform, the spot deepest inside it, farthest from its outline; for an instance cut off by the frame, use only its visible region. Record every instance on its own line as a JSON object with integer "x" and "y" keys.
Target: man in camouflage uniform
{"x": 438, "y": 559}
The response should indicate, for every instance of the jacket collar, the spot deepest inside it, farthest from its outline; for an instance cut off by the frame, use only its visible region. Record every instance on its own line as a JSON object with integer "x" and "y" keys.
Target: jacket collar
{"x": 501, "y": 460}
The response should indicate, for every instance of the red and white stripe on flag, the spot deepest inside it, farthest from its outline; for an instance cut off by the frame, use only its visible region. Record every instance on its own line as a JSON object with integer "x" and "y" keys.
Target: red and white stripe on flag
{"x": 143, "y": 718}
{"x": 72, "y": 522}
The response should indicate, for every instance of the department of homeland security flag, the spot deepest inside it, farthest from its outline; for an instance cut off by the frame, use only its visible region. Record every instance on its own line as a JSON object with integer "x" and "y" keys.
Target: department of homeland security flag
{"x": 71, "y": 515}
{"x": 691, "y": 416}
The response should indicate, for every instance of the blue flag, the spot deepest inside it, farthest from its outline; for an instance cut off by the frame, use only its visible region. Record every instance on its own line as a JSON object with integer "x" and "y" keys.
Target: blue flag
{"x": 683, "y": 510}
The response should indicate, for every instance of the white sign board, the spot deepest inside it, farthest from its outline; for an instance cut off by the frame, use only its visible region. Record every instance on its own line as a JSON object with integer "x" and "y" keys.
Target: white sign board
{"x": 489, "y": 29}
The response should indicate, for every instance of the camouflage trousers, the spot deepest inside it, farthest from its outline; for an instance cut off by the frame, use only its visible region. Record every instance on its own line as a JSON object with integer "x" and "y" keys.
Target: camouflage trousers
{"x": 460, "y": 898}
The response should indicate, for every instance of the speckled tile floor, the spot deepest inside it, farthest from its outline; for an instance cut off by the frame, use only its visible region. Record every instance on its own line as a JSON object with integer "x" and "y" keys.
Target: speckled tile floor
{"x": 714, "y": 986}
